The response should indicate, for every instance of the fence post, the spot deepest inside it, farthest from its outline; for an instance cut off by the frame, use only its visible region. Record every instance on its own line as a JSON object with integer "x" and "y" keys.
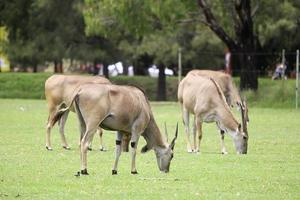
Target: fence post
{"x": 283, "y": 62}
{"x": 297, "y": 77}
{"x": 179, "y": 66}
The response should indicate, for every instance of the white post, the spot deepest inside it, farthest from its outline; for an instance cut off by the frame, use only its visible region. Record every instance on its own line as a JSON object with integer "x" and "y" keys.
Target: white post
{"x": 283, "y": 62}
{"x": 283, "y": 56}
{"x": 179, "y": 65}
{"x": 297, "y": 77}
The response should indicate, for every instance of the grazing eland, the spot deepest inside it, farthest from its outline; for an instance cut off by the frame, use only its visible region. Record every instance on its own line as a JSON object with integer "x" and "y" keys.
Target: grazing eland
{"x": 229, "y": 90}
{"x": 203, "y": 97}
{"x": 59, "y": 91}
{"x": 124, "y": 109}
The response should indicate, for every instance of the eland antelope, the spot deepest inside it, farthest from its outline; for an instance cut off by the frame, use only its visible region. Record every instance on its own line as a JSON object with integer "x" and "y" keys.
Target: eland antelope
{"x": 203, "y": 97}
{"x": 229, "y": 90}
{"x": 59, "y": 91}
{"x": 124, "y": 109}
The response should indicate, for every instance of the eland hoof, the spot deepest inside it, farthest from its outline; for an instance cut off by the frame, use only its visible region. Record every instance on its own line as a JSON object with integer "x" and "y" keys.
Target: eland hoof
{"x": 102, "y": 149}
{"x": 134, "y": 172}
{"x": 114, "y": 172}
{"x": 84, "y": 172}
{"x": 90, "y": 148}
{"x": 66, "y": 147}
{"x": 224, "y": 152}
{"x": 77, "y": 174}
{"x": 190, "y": 151}
{"x": 196, "y": 151}
{"x": 49, "y": 148}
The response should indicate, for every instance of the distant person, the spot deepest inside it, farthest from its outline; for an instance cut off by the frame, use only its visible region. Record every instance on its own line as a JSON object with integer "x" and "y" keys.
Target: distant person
{"x": 279, "y": 72}
{"x": 100, "y": 71}
{"x": 153, "y": 71}
{"x": 130, "y": 71}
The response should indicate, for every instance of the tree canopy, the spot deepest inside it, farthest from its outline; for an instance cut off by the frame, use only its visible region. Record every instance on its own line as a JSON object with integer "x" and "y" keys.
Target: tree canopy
{"x": 141, "y": 33}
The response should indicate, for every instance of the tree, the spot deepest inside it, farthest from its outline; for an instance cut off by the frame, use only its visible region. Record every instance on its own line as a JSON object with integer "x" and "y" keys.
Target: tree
{"x": 41, "y": 30}
{"x": 16, "y": 17}
{"x": 277, "y": 27}
{"x": 243, "y": 45}
{"x": 140, "y": 24}
{"x": 59, "y": 28}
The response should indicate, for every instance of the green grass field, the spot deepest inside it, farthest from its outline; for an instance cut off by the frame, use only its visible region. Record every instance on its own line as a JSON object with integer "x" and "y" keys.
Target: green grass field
{"x": 270, "y": 170}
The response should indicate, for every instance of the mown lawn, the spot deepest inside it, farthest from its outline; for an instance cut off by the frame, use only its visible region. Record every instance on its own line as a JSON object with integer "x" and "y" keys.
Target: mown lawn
{"x": 270, "y": 170}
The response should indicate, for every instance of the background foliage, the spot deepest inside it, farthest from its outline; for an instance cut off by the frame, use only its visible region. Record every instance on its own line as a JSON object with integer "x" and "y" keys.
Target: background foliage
{"x": 276, "y": 94}
{"x": 109, "y": 31}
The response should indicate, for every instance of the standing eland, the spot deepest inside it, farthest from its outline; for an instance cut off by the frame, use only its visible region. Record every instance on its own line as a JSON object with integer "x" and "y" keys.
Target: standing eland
{"x": 204, "y": 98}
{"x": 59, "y": 90}
{"x": 124, "y": 109}
{"x": 229, "y": 90}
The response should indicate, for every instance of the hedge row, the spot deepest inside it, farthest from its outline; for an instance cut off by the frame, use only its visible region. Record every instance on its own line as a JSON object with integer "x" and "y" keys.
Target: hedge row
{"x": 31, "y": 86}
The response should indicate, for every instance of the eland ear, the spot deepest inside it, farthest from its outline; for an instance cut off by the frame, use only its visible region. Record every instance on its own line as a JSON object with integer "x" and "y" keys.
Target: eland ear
{"x": 145, "y": 149}
{"x": 173, "y": 141}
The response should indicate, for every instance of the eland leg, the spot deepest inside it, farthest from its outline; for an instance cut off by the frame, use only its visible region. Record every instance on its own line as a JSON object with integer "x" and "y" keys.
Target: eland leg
{"x": 52, "y": 110}
{"x": 223, "y": 149}
{"x": 125, "y": 143}
{"x": 48, "y": 136}
{"x": 62, "y": 123}
{"x": 90, "y": 148}
{"x": 84, "y": 148}
{"x": 195, "y": 146}
{"x": 118, "y": 152}
{"x": 185, "y": 116}
{"x": 133, "y": 143}
{"x": 198, "y": 125}
{"x": 82, "y": 130}
{"x": 100, "y": 132}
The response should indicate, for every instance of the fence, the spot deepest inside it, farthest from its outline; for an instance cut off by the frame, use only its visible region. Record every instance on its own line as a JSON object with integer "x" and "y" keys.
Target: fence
{"x": 293, "y": 70}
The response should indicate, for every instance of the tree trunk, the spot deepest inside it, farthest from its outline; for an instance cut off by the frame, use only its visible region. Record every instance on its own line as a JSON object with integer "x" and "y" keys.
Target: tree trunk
{"x": 125, "y": 69}
{"x": 246, "y": 45}
{"x": 243, "y": 46}
{"x": 105, "y": 70}
{"x": 61, "y": 69}
{"x": 248, "y": 74}
{"x": 55, "y": 66}
{"x": 244, "y": 65}
{"x": 35, "y": 68}
{"x": 161, "y": 86}
{"x": 58, "y": 66}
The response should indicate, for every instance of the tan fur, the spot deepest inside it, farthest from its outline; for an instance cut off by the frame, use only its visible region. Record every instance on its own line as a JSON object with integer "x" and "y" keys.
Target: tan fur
{"x": 59, "y": 90}
{"x": 224, "y": 81}
{"x": 230, "y": 91}
{"x": 202, "y": 96}
{"x": 121, "y": 108}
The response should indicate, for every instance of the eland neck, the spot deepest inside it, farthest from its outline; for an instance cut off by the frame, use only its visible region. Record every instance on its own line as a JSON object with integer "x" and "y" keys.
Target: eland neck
{"x": 226, "y": 119}
{"x": 153, "y": 136}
